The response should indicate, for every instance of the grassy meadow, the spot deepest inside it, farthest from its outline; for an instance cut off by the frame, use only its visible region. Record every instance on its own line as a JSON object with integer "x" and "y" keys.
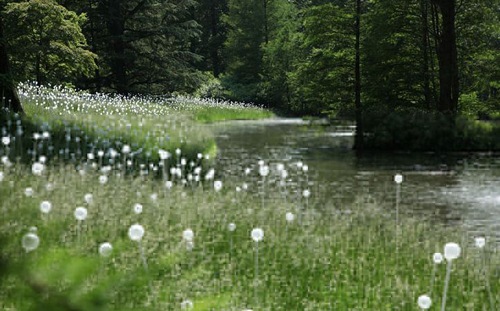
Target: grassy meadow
{"x": 150, "y": 162}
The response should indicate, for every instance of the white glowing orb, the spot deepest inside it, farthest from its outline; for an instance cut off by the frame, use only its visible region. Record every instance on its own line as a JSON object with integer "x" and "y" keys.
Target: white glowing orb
{"x": 136, "y": 232}
{"x": 30, "y": 241}
{"x": 398, "y": 178}
{"x": 437, "y": 258}
{"x": 451, "y": 251}
{"x": 424, "y": 302}
{"x": 257, "y": 234}
{"x": 45, "y": 207}
{"x": 80, "y": 213}
{"x": 188, "y": 235}
{"x": 105, "y": 249}
{"x": 480, "y": 242}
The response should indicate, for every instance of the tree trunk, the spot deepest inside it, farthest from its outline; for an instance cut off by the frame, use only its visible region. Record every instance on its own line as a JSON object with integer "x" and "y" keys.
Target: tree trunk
{"x": 447, "y": 59}
{"x": 425, "y": 53}
{"x": 359, "y": 139}
{"x": 8, "y": 92}
{"x": 116, "y": 28}
{"x": 214, "y": 47}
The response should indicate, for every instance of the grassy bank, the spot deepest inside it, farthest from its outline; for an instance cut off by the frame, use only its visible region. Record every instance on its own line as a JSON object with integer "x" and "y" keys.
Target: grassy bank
{"x": 314, "y": 255}
{"x": 326, "y": 258}
{"x": 84, "y": 122}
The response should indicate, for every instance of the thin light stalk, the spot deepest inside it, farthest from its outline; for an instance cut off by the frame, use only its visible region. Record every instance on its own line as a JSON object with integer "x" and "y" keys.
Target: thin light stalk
{"x": 446, "y": 283}
{"x": 143, "y": 257}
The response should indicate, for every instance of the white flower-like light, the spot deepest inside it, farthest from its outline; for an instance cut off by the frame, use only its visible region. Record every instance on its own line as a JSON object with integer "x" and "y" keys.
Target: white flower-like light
{"x": 306, "y": 193}
{"x": 80, "y": 213}
{"x": 6, "y": 140}
{"x": 290, "y": 217}
{"x": 217, "y": 185}
{"x": 137, "y": 208}
{"x": 105, "y": 249}
{"x": 305, "y": 168}
{"x": 257, "y": 234}
{"x": 210, "y": 174}
{"x": 264, "y": 170}
{"x": 188, "y": 235}
{"x": 37, "y": 168}
{"x": 231, "y": 227}
{"x": 30, "y": 242}
{"x": 49, "y": 187}
{"x": 163, "y": 154}
{"x": 45, "y": 207}
{"x": 280, "y": 167}
{"x": 451, "y": 251}
{"x": 398, "y": 178}
{"x": 187, "y": 304}
{"x": 89, "y": 198}
{"x": 178, "y": 152}
{"x": 136, "y": 232}
{"x": 480, "y": 242}
{"x": 103, "y": 179}
{"x": 437, "y": 258}
{"x": 1, "y": 176}
{"x": 168, "y": 184}
{"x": 126, "y": 149}
{"x": 424, "y": 302}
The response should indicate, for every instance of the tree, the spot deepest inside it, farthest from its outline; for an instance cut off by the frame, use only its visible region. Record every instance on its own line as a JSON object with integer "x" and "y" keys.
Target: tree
{"x": 213, "y": 34}
{"x": 243, "y": 48}
{"x": 281, "y": 54}
{"x": 145, "y": 45}
{"x": 323, "y": 80}
{"x": 10, "y": 99}
{"x": 359, "y": 138}
{"x": 447, "y": 57}
{"x": 46, "y": 42}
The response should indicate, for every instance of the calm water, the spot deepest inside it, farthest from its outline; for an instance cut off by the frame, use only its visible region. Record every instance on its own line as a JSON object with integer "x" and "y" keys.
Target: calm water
{"x": 455, "y": 189}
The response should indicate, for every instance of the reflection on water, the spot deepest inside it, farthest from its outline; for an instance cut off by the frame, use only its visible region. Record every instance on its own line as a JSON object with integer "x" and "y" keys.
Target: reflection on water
{"x": 456, "y": 188}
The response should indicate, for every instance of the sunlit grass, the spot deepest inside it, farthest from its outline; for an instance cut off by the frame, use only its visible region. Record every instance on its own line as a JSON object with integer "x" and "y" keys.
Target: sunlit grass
{"x": 339, "y": 259}
{"x": 314, "y": 255}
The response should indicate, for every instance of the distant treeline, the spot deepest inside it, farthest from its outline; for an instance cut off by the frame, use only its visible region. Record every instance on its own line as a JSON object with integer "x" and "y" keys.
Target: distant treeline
{"x": 296, "y": 56}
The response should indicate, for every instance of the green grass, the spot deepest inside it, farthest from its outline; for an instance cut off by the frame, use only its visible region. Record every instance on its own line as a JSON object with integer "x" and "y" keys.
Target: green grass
{"x": 214, "y": 114}
{"x": 349, "y": 259}
{"x": 142, "y": 122}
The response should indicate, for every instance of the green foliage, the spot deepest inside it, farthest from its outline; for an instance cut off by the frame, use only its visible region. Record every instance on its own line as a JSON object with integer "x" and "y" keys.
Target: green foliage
{"x": 392, "y": 55}
{"x": 324, "y": 78}
{"x": 280, "y": 54}
{"x": 420, "y": 130}
{"x": 246, "y": 34}
{"x": 46, "y": 43}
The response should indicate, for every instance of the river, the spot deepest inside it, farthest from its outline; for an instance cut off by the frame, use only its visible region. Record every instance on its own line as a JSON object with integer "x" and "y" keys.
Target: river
{"x": 453, "y": 188}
